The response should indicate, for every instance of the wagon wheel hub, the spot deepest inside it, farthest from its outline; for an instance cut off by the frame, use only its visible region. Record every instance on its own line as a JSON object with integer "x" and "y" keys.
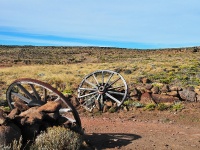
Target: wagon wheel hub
{"x": 101, "y": 89}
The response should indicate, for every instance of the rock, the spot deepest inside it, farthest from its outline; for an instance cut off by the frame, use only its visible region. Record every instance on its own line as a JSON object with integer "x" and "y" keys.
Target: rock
{"x": 2, "y": 117}
{"x": 172, "y": 93}
{"x": 191, "y": 88}
{"x": 165, "y": 89}
{"x": 149, "y": 86}
{"x": 30, "y": 116}
{"x": 159, "y": 98}
{"x": 51, "y": 116}
{"x": 20, "y": 105}
{"x": 29, "y": 132}
{"x": 188, "y": 95}
{"x": 9, "y": 133}
{"x": 134, "y": 92}
{"x": 50, "y": 107}
{"x": 145, "y": 98}
{"x": 175, "y": 88}
{"x": 108, "y": 103}
{"x": 155, "y": 90}
{"x": 198, "y": 98}
{"x": 145, "y": 80}
{"x": 13, "y": 113}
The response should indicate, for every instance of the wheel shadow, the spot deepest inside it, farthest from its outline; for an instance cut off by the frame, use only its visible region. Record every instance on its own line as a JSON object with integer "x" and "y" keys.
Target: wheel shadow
{"x": 110, "y": 140}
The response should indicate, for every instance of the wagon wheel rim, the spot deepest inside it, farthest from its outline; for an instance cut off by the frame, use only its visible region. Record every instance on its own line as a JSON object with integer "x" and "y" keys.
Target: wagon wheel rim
{"x": 28, "y": 90}
{"x": 101, "y": 86}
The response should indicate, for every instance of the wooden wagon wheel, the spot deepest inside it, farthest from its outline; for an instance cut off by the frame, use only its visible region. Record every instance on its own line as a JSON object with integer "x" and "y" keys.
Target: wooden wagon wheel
{"x": 101, "y": 86}
{"x": 35, "y": 93}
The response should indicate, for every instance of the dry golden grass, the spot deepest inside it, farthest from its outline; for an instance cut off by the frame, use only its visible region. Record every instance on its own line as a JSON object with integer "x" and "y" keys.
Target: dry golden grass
{"x": 159, "y": 66}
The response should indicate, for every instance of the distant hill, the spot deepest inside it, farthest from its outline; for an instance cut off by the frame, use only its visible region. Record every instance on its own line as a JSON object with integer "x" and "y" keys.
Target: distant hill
{"x": 25, "y": 55}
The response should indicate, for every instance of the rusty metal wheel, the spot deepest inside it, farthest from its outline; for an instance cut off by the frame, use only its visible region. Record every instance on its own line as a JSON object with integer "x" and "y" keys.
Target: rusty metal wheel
{"x": 35, "y": 93}
{"x": 100, "y": 87}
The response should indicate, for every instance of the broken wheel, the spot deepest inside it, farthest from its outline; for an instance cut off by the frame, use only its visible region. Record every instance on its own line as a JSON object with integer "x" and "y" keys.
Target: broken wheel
{"x": 36, "y": 93}
{"x": 101, "y": 87}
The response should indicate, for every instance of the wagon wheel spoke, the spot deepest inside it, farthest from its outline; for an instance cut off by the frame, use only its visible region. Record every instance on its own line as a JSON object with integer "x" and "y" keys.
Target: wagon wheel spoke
{"x": 88, "y": 94}
{"x": 97, "y": 82}
{"x": 113, "y": 88}
{"x": 115, "y": 93}
{"x": 93, "y": 85}
{"x": 109, "y": 85}
{"x": 26, "y": 92}
{"x": 113, "y": 98}
{"x": 87, "y": 89}
{"x": 36, "y": 93}
{"x": 20, "y": 96}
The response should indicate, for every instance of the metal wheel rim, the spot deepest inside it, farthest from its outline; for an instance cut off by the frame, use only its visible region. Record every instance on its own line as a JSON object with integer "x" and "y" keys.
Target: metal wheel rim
{"x": 101, "y": 85}
{"x": 27, "y": 83}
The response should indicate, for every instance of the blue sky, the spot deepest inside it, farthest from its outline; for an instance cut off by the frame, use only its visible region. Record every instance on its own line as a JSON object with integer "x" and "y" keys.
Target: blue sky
{"x": 115, "y": 23}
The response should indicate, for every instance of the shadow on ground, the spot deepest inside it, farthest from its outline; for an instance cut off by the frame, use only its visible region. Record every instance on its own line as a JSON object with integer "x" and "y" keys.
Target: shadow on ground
{"x": 110, "y": 140}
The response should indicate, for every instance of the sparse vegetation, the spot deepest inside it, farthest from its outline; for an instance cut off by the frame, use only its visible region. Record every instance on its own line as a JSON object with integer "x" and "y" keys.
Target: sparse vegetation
{"x": 162, "y": 106}
{"x": 150, "y": 106}
{"x": 58, "y": 138}
{"x": 178, "y": 106}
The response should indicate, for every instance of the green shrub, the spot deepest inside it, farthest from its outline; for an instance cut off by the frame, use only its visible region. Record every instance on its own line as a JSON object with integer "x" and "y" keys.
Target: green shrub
{"x": 133, "y": 103}
{"x": 162, "y": 106}
{"x": 178, "y": 106}
{"x": 58, "y": 138}
{"x": 150, "y": 107}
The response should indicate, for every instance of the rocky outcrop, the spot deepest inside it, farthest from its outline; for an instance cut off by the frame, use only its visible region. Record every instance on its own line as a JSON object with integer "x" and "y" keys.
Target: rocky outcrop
{"x": 29, "y": 122}
{"x": 146, "y": 92}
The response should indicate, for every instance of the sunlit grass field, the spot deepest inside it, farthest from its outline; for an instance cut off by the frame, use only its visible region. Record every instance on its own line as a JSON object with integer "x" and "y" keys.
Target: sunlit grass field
{"x": 180, "y": 68}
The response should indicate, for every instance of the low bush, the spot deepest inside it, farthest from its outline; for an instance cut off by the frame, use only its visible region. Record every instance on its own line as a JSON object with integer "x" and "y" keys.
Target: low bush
{"x": 150, "y": 106}
{"x": 58, "y": 138}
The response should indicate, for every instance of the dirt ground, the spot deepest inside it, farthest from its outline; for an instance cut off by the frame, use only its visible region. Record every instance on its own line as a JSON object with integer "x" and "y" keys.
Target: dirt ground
{"x": 144, "y": 130}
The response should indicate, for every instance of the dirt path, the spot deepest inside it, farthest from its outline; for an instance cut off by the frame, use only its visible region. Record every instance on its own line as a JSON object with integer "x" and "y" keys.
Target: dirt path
{"x": 112, "y": 131}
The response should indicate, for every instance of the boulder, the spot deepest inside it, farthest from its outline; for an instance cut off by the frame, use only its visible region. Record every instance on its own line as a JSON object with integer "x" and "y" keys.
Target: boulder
{"x": 188, "y": 95}
{"x": 29, "y": 132}
{"x": 50, "y": 107}
{"x": 172, "y": 93}
{"x": 145, "y": 98}
{"x": 30, "y": 116}
{"x": 9, "y": 133}
{"x": 160, "y": 98}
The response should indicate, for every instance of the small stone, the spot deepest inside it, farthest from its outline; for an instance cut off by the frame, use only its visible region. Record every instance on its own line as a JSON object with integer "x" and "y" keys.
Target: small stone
{"x": 155, "y": 90}
{"x": 165, "y": 88}
{"x": 108, "y": 103}
{"x": 149, "y": 86}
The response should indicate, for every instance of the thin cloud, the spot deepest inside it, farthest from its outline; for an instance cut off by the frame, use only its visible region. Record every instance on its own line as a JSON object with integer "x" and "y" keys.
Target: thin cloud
{"x": 152, "y": 23}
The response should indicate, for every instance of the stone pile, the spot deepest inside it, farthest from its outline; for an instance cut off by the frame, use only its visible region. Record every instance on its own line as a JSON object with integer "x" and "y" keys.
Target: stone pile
{"x": 27, "y": 122}
{"x": 146, "y": 93}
